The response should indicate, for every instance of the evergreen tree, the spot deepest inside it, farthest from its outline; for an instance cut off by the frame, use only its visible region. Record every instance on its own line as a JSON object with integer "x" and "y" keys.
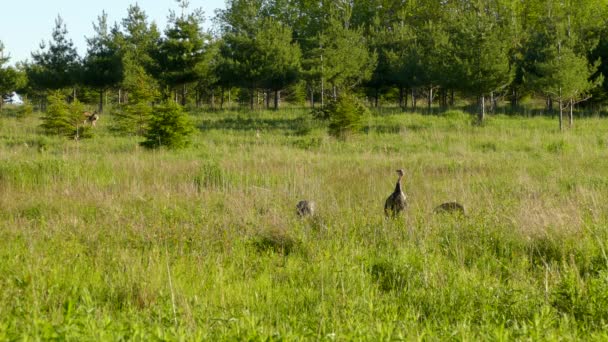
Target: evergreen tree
{"x": 280, "y": 57}
{"x": 58, "y": 66}
{"x": 137, "y": 41}
{"x": 182, "y": 49}
{"x": 169, "y": 127}
{"x": 8, "y": 76}
{"x": 342, "y": 58}
{"x": 565, "y": 77}
{"x": 481, "y": 52}
{"x": 102, "y": 67}
{"x": 64, "y": 119}
{"x": 257, "y": 52}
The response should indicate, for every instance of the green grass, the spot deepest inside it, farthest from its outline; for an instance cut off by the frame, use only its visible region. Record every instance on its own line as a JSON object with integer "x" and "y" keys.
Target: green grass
{"x": 103, "y": 240}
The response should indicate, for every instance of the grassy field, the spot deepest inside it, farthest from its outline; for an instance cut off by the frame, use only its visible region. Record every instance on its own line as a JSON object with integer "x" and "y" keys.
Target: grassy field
{"x": 103, "y": 240}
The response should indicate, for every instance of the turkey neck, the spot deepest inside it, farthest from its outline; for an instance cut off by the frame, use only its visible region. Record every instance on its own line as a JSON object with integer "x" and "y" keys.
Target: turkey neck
{"x": 398, "y": 186}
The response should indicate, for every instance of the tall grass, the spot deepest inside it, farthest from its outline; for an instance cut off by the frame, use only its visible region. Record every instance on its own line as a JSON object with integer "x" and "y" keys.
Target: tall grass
{"x": 103, "y": 240}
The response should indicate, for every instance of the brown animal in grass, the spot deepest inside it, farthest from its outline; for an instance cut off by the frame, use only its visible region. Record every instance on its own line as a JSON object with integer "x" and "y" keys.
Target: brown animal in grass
{"x": 450, "y": 208}
{"x": 397, "y": 202}
{"x": 90, "y": 118}
{"x": 305, "y": 208}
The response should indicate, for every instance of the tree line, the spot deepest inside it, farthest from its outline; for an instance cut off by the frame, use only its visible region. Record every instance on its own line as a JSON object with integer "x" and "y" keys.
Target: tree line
{"x": 263, "y": 51}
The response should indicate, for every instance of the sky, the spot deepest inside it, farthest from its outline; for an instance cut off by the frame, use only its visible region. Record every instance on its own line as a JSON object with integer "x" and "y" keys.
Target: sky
{"x": 26, "y": 23}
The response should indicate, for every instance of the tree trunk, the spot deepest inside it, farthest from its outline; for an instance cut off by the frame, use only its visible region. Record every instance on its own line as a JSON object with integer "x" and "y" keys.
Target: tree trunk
{"x": 222, "y": 98}
{"x": 413, "y": 99}
{"x": 252, "y": 100}
{"x": 322, "y": 92}
{"x": 335, "y": 93}
{"x": 571, "y": 116}
{"x": 430, "y": 100}
{"x": 101, "y": 92}
{"x": 561, "y": 110}
{"x": 267, "y": 98}
{"x": 312, "y": 97}
{"x": 482, "y": 112}
{"x": 561, "y": 115}
{"x": 452, "y": 100}
{"x": 212, "y": 98}
{"x": 183, "y": 95}
{"x": 514, "y": 100}
{"x": 376, "y": 96}
{"x": 277, "y": 99}
{"x": 492, "y": 102}
{"x": 401, "y": 98}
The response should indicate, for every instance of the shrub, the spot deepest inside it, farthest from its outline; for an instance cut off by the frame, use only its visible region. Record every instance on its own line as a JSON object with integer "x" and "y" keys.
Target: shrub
{"x": 132, "y": 119}
{"x": 346, "y": 115}
{"x": 169, "y": 126}
{"x": 64, "y": 119}
{"x": 24, "y": 111}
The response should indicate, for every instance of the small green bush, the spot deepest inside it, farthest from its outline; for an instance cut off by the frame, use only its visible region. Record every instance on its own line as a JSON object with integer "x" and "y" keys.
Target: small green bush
{"x": 24, "y": 111}
{"x": 346, "y": 115}
{"x": 65, "y": 119}
{"x": 169, "y": 126}
{"x": 132, "y": 119}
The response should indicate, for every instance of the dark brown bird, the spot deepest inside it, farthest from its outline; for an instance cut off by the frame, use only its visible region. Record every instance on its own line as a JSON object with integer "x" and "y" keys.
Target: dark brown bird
{"x": 305, "y": 208}
{"x": 450, "y": 208}
{"x": 396, "y": 202}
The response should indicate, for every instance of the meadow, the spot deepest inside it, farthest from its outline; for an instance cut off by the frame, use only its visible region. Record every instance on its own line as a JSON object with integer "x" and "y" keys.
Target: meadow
{"x": 101, "y": 239}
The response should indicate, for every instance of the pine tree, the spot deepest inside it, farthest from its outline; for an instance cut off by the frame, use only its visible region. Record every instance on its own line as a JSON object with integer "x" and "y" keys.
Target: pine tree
{"x": 136, "y": 42}
{"x": 64, "y": 119}
{"x": 480, "y": 50}
{"x": 169, "y": 127}
{"x": 183, "y": 48}
{"x": 565, "y": 76}
{"x": 102, "y": 67}
{"x": 8, "y": 76}
{"x": 280, "y": 57}
{"x": 58, "y": 66}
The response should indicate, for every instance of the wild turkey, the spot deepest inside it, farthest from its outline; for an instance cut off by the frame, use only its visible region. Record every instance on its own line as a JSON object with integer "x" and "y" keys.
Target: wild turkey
{"x": 305, "y": 208}
{"x": 396, "y": 202}
{"x": 450, "y": 207}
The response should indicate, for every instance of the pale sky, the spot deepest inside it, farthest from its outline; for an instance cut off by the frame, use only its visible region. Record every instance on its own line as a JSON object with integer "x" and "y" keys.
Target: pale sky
{"x": 25, "y": 23}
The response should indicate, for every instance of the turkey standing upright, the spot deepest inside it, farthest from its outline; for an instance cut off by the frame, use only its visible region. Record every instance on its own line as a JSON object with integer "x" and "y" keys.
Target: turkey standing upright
{"x": 396, "y": 202}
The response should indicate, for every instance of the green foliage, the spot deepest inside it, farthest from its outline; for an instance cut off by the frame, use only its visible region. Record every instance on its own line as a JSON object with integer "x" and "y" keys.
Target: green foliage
{"x": 169, "y": 127}
{"x": 58, "y": 66}
{"x": 8, "y": 76}
{"x": 102, "y": 67}
{"x": 178, "y": 54}
{"x": 341, "y": 57}
{"x": 564, "y": 75}
{"x": 263, "y": 55}
{"x": 132, "y": 119}
{"x": 120, "y": 245}
{"x": 346, "y": 115}
{"x": 64, "y": 119}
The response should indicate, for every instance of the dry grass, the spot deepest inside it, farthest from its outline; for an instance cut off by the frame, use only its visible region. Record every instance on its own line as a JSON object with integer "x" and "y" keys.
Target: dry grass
{"x": 89, "y": 230}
